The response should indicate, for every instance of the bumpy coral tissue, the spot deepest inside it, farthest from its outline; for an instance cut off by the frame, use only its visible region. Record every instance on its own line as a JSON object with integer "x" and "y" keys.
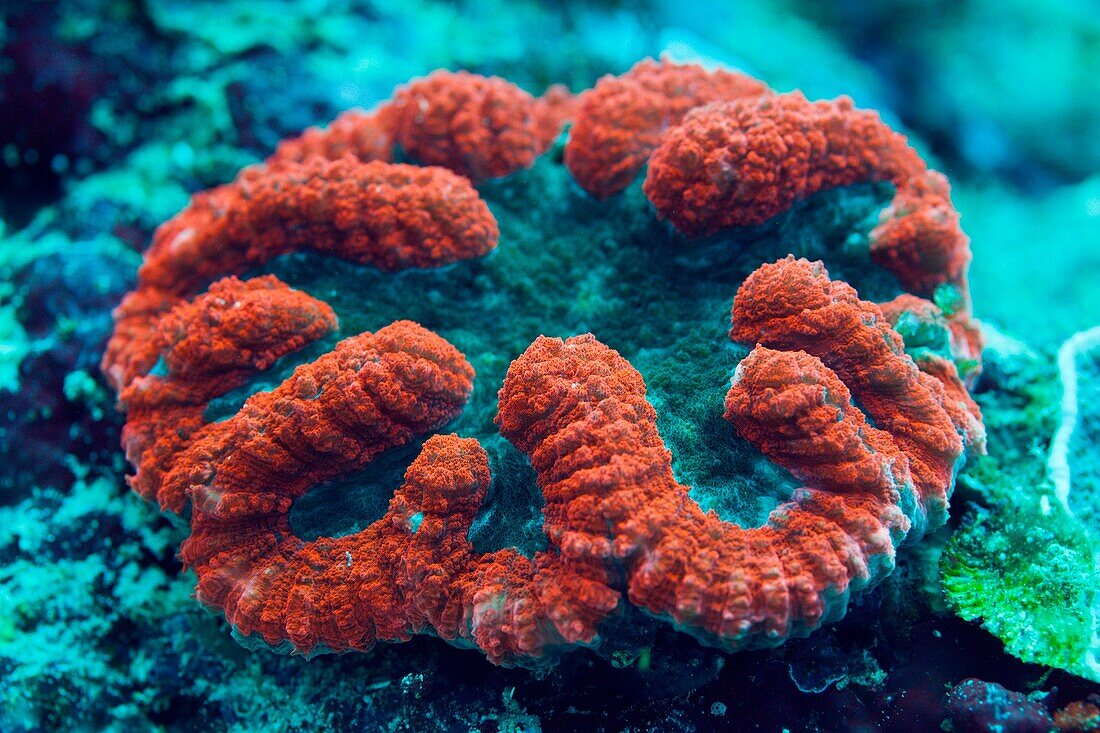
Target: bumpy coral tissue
{"x": 210, "y": 346}
{"x": 947, "y": 349}
{"x": 366, "y": 136}
{"x": 387, "y": 215}
{"x": 865, "y": 405}
{"x": 739, "y": 163}
{"x": 480, "y": 127}
{"x": 621, "y": 120}
{"x": 794, "y": 306}
{"x": 579, "y": 410}
{"x": 477, "y": 126}
{"x": 373, "y": 392}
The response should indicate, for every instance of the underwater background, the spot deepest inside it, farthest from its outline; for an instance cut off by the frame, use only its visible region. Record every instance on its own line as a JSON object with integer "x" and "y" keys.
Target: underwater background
{"x": 113, "y": 113}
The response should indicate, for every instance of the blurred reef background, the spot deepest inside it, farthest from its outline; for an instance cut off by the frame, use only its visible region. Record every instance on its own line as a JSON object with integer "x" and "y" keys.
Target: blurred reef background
{"x": 113, "y": 112}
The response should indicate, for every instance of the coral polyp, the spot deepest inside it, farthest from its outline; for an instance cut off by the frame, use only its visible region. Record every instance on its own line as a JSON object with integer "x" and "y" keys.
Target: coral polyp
{"x": 575, "y": 485}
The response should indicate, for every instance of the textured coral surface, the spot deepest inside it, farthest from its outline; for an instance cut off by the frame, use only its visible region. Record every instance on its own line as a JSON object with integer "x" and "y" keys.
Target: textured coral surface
{"x": 479, "y": 127}
{"x": 622, "y": 118}
{"x": 740, "y": 163}
{"x": 390, "y": 216}
{"x": 373, "y": 392}
{"x": 210, "y": 346}
{"x": 871, "y": 438}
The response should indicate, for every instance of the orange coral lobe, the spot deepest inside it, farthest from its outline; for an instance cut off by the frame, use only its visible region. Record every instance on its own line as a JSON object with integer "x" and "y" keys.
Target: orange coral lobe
{"x": 793, "y": 305}
{"x": 373, "y": 392}
{"x": 367, "y": 136}
{"x": 918, "y": 237}
{"x": 937, "y": 347}
{"x": 479, "y": 127}
{"x": 390, "y": 216}
{"x": 209, "y": 347}
{"x": 371, "y": 213}
{"x": 579, "y": 410}
{"x": 238, "y": 325}
{"x": 621, "y": 120}
{"x": 740, "y": 163}
{"x": 800, "y": 415}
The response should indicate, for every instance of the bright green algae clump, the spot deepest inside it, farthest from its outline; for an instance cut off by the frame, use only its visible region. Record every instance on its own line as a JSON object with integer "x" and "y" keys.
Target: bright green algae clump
{"x": 1020, "y": 563}
{"x": 567, "y": 265}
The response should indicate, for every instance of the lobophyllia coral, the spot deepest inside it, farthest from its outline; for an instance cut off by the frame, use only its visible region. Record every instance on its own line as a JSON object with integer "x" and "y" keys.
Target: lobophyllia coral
{"x": 829, "y": 393}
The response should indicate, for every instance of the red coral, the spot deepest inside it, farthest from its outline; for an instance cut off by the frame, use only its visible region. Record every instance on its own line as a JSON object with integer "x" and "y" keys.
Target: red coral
{"x": 793, "y": 305}
{"x": 918, "y": 237}
{"x": 964, "y": 412}
{"x": 367, "y": 136}
{"x": 967, "y": 343}
{"x": 515, "y": 609}
{"x": 939, "y": 347}
{"x": 799, "y": 414}
{"x": 741, "y": 163}
{"x": 575, "y": 407}
{"x": 579, "y": 410}
{"x": 411, "y": 571}
{"x": 231, "y": 331}
{"x": 373, "y": 392}
{"x": 957, "y": 337}
{"x": 1080, "y": 716}
{"x": 924, "y": 311}
{"x": 622, "y": 119}
{"x": 391, "y": 216}
{"x": 209, "y": 347}
{"x": 132, "y": 348}
{"x": 383, "y": 214}
{"x": 618, "y": 523}
{"x": 480, "y": 127}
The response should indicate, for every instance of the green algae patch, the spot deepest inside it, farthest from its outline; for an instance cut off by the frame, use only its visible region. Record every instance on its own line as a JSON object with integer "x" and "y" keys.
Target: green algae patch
{"x": 1031, "y": 581}
{"x": 1019, "y": 563}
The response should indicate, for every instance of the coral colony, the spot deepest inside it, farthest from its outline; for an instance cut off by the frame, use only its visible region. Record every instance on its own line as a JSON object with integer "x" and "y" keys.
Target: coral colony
{"x": 864, "y": 403}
